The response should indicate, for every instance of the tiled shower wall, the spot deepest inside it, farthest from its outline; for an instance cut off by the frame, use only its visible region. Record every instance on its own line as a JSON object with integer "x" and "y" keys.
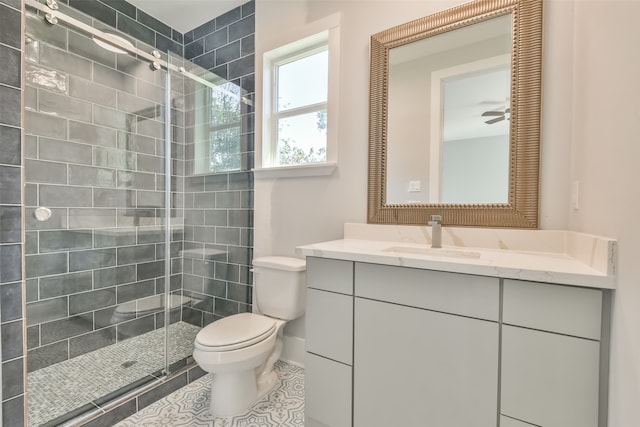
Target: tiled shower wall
{"x": 94, "y": 150}
{"x": 11, "y": 315}
{"x": 219, "y": 206}
{"x": 132, "y": 21}
{"x": 232, "y": 192}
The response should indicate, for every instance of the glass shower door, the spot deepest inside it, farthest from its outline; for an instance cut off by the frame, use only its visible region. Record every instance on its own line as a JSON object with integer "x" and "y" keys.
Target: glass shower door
{"x": 95, "y": 180}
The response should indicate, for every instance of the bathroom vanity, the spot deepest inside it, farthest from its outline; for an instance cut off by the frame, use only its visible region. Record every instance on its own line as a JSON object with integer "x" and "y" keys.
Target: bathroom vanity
{"x": 506, "y": 328}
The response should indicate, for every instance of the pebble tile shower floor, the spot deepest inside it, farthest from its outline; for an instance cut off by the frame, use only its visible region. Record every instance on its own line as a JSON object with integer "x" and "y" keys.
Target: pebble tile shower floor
{"x": 63, "y": 387}
{"x": 189, "y": 406}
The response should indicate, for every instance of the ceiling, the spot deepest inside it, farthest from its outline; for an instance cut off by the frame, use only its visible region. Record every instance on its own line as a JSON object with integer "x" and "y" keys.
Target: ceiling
{"x": 185, "y": 15}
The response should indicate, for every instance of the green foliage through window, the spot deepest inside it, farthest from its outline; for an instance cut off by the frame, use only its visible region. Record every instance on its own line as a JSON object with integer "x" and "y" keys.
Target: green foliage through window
{"x": 224, "y": 135}
{"x": 304, "y": 144}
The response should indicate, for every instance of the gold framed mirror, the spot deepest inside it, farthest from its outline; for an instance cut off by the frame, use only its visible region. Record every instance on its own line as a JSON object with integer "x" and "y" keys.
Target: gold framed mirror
{"x": 473, "y": 157}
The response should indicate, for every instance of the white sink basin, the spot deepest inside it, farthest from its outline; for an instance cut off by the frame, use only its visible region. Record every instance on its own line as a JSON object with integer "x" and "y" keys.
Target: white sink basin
{"x": 451, "y": 253}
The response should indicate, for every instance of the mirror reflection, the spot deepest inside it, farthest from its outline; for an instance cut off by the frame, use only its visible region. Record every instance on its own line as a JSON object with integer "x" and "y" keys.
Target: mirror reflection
{"x": 448, "y": 137}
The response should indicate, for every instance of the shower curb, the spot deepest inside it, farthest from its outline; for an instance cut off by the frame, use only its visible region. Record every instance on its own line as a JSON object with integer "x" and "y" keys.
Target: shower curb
{"x": 118, "y": 409}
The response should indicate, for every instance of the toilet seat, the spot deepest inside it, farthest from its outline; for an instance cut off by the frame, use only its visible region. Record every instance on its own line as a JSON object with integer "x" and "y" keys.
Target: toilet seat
{"x": 235, "y": 332}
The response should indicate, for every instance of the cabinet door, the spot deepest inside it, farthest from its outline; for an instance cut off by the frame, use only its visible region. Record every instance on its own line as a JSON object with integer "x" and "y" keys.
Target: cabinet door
{"x": 327, "y": 393}
{"x": 329, "y": 325}
{"x": 414, "y": 367}
{"x": 548, "y": 379}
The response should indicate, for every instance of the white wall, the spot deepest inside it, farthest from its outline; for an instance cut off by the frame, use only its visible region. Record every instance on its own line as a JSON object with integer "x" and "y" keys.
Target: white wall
{"x": 605, "y": 160}
{"x": 408, "y": 128}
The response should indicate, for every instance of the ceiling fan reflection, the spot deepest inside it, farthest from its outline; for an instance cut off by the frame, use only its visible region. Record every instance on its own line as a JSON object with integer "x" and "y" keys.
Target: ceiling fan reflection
{"x": 499, "y": 115}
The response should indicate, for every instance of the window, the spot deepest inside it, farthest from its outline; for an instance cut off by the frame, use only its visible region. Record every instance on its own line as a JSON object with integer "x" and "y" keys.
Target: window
{"x": 300, "y": 104}
{"x": 224, "y": 129}
{"x": 216, "y": 128}
{"x": 300, "y": 109}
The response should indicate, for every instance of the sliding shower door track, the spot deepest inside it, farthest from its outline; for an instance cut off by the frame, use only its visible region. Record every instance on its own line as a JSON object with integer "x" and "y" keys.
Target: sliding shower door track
{"x": 54, "y": 15}
{"x": 139, "y": 388}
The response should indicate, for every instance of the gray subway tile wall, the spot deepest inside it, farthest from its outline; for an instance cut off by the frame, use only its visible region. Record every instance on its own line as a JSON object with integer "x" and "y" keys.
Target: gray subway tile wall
{"x": 12, "y": 357}
{"x": 218, "y": 220}
{"x": 61, "y": 75}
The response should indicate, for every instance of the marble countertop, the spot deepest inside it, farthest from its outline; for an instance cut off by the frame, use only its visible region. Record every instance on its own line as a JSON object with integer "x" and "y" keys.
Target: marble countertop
{"x": 560, "y": 257}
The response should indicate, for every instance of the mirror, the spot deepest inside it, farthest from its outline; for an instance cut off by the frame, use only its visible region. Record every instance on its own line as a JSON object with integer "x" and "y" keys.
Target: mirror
{"x": 450, "y": 144}
{"x": 455, "y": 117}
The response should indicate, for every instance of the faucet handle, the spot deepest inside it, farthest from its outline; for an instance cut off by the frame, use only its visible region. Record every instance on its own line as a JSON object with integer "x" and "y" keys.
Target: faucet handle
{"x": 435, "y": 219}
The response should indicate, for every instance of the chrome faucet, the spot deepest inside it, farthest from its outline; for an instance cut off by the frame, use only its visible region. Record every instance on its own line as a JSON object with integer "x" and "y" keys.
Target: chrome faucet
{"x": 436, "y": 231}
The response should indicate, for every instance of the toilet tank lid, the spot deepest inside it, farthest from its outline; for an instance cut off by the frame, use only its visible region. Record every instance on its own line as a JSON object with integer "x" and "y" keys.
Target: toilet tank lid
{"x": 281, "y": 263}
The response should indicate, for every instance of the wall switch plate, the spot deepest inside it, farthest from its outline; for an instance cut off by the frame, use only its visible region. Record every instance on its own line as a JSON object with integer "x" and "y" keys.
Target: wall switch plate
{"x": 414, "y": 186}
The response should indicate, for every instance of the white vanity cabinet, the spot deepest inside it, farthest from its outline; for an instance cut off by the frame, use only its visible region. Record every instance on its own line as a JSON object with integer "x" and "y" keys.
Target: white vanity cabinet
{"x": 397, "y": 346}
{"x": 553, "y": 354}
{"x": 329, "y": 343}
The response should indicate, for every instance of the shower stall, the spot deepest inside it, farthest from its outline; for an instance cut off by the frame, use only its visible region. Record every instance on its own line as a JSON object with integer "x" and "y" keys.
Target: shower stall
{"x": 118, "y": 138}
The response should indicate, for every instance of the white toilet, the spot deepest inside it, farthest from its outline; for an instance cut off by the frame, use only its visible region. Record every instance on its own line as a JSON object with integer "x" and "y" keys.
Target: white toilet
{"x": 240, "y": 350}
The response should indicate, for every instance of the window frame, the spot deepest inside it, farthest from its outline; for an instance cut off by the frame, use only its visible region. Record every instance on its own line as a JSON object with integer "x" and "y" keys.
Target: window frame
{"x": 266, "y": 162}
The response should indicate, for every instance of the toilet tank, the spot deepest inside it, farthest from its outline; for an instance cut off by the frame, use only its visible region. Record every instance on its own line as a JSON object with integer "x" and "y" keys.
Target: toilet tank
{"x": 279, "y": 286}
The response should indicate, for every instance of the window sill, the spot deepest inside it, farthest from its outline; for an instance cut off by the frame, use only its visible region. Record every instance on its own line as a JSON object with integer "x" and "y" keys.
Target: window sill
{"x": 311, "y": 169}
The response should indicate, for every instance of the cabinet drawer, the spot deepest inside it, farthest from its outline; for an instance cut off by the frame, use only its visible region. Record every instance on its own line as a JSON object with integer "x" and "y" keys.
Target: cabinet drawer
{"x": 563, "y": 309}
{"x": 327, "y": 392}
{"x": 549, "y": 379}
{"x": 474, "y": 296}
{"x": 330, "y": 275}
{"x": 329, "y": 325}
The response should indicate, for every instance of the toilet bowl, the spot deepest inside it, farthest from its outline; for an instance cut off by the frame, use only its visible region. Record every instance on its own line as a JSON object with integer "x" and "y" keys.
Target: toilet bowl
{"x": 240, "y": 350}
{"x": 242, "y": 361}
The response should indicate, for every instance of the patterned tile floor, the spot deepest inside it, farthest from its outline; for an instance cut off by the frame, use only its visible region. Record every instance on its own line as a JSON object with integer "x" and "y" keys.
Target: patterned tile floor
{"x": 189, "y": 406}
{"x": 65, "y": 386}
